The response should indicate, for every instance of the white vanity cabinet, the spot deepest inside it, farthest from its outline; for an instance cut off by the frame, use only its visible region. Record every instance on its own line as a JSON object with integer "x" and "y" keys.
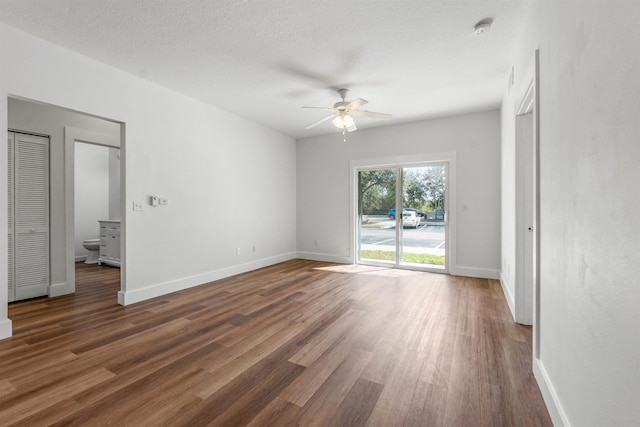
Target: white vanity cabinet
{"x": 109, "y": 243}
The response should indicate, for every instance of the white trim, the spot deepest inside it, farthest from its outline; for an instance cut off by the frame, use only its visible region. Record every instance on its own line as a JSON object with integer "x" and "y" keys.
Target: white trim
{"x": 549, "y": 395}
{"x": 71, "y": 135}
{"x": 528, "y": 97}
{"x": 137, "y": 295}
{"x": 316, "y": 256}
{"x": 508, "y": 295}
{"x": 57, "y": 289}
{"x": 480, "y": 273}
{"x": 80, "y": 258}
{"x": 5, "y": 329}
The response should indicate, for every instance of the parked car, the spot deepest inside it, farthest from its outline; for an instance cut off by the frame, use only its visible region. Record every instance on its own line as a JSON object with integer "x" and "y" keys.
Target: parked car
{"x": 418, "y": 212}
{"x": 392, "y": 212}
{"x": 410, "y": 219}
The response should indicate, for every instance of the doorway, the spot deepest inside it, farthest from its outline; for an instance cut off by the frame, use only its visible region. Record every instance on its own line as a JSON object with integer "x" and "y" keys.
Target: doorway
{"x": 402, "y": 216}
{"x": 96, "y": 208}
{"x": 424, "y": 200}
{"x": 64, "y": 127}
{"x": 82, "y": 146}
{"x": 527, "y": 214}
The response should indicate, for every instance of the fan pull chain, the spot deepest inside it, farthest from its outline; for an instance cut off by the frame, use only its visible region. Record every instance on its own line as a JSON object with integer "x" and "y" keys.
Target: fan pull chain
{"x": 344, "y": 135}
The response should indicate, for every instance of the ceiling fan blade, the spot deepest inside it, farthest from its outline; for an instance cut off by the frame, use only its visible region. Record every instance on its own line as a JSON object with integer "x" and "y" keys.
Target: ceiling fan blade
{"x": 356, "y": 103}
{"x": 370, "y": 114}
{"x": 321, "y": 108}
{"x": 324, "y": 119}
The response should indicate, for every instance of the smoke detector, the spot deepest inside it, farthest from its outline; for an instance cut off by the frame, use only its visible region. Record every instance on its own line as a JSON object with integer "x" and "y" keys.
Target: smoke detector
{"x": 483, "y": 26}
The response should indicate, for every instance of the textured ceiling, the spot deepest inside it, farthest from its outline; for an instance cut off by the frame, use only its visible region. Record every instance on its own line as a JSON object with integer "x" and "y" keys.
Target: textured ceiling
{"x": 264, "y": 59}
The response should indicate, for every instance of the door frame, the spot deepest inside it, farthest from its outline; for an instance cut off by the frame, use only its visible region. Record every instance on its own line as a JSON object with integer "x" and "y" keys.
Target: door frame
{"x": 71, "y": 136}
{"x": 527, "y": 289}
{"x": 408, "y": 161}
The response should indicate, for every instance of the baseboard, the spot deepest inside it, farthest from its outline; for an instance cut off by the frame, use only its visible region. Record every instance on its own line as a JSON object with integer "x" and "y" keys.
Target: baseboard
{"x": 511, "y": 302}
{"x": 5, "y": 329}
{"x": 80, "y": 258}
{"x": 556, "y": 411}
{"x": 137, "y": 295}
{"x": 58, "y": 289}
{"x": 480, "y": 273}
{"x": 314, "y": 256}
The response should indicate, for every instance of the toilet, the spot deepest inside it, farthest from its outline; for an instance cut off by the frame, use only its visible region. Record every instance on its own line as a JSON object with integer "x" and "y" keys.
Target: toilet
{"x": 93, "y": 248}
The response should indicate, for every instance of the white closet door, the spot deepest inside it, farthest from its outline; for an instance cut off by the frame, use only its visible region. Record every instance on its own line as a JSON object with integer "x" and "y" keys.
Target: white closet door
{"x": 31, "y": 225}
{"x": 10, "y": 278}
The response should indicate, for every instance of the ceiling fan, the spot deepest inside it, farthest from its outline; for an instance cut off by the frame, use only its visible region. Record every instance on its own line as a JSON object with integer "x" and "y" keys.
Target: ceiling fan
{"x": 342, "y": 113}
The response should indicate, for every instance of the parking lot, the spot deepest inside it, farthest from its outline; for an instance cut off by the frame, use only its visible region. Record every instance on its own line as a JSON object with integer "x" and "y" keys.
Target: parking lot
{"x": 379, "y": 233}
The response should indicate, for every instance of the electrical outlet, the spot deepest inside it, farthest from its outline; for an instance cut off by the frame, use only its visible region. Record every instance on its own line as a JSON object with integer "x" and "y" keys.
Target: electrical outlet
{"x": 137, "y": 206}
{"x": 164, "y": 201}
{"x": 237, "y": 251}
{"x": 315, "y": 243}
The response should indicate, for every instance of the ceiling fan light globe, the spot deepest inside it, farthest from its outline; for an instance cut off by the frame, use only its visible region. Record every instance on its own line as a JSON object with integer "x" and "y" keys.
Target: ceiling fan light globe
{"x": 343, "y": 121}
{"x": 348, "y": 121}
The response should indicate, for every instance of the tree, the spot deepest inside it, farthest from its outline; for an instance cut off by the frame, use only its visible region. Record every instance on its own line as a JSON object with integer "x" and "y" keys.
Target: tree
{"x": 425, "y": 185}
{"x": 423, "y": 188}
{"x": 433, "y": 179}
{"x": 414, "y": 193}
{"x": 376, "y": 191}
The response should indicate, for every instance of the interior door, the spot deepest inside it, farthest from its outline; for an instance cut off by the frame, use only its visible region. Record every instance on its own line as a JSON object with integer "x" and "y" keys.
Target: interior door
{"x": 10, "y": 206}
{"x": 30, "y": 216}
{"x": 525, "y": 208}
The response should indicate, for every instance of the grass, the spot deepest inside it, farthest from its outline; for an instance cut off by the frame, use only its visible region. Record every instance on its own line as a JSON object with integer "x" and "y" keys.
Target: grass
{"x": 406, "y": 257}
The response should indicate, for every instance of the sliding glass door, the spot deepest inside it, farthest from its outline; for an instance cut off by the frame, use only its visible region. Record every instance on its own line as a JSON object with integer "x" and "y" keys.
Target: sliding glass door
{"x": 424, "y": 191}
{"x": 376, "y": 207}
{"x": 402, "y": 219}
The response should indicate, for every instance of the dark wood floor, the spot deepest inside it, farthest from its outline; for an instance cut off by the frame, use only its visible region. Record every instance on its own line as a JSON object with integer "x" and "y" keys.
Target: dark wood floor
{"x": 299, "y": 343}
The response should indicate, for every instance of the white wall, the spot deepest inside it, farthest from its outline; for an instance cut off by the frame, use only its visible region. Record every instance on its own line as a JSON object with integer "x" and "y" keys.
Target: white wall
{"x": 91, "y": 192}
{"x": 323, "y": 185}
{"x": 589, "y": 178}
{"x": 214, "y": 167}
{"x": 47, "y": 120}
{"x": 114, "y": 184}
